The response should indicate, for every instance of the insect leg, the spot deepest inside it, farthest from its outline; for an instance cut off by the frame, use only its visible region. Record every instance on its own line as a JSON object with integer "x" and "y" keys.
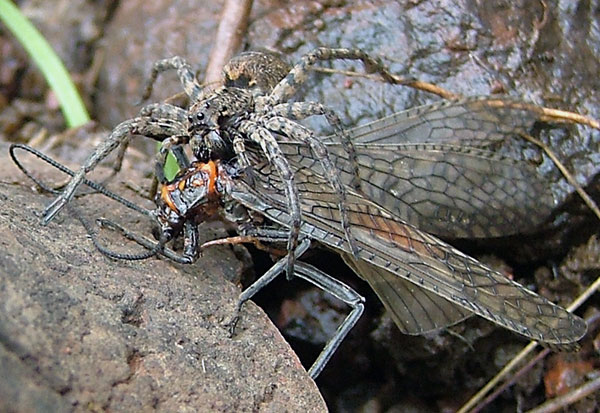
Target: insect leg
{"x": 264, "y": 280}
{"x": 190, "y": 241}
{"x": 174, "y": 144}
{"x": 325, "y": 283}
{"x": 184, "y": 71}
{"x": 340, "y": 291}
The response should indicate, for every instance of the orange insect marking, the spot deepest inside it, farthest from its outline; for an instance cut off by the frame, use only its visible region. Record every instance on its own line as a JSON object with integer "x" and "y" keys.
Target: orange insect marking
{"x": 165, "y": 195}
{"x": 181, "y": 185}
{"x": 211, "y": 168}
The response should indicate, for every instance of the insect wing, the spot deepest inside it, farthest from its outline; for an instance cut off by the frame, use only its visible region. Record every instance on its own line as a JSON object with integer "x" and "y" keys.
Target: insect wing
{"x": 437, "y": 168}
{"x": 478, "y": 122}
{"x": 394, "y": 246}
{"x": 413, "y": 309}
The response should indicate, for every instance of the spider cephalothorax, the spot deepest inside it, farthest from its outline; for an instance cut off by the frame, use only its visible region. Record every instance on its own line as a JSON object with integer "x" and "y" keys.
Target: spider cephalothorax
{"x": 213, "y": 122}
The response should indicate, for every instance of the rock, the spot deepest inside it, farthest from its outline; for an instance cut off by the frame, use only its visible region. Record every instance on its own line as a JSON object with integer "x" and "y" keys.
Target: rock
{"x": 79, "y": 331}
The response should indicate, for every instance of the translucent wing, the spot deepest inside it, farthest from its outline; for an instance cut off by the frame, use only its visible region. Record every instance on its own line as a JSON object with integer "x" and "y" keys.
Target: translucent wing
{"x": 413, "y": 309}
{"x": 433, "y": 166}
{"x": 398, "y": 249}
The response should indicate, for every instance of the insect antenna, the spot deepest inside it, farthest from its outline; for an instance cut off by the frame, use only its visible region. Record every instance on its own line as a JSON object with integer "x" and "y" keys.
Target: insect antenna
{"x": 92, "y": 232}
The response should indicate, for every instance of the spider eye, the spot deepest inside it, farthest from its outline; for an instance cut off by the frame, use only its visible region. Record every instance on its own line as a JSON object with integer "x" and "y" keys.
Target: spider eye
{"x": 196, "y": 117}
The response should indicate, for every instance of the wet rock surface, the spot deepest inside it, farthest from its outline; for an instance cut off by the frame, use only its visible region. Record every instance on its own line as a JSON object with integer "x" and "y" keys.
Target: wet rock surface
{"x": 81, "y": 332}
{"x": 547, "y": 53}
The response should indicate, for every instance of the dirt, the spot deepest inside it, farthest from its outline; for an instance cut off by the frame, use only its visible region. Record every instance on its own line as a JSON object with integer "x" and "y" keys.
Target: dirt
{"x": 544, "y": 52}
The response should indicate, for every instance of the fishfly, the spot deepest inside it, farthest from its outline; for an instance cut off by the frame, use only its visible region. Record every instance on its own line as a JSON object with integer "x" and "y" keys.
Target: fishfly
{"x": 425, "y": 283}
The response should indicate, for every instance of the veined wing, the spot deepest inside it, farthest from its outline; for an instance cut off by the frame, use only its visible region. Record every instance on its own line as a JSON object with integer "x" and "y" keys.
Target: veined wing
{"x": 414, "y": 310}
{"x": 478, "y": 122}
{"x": 434, "y": 167}
{"x": 395, "y": 247}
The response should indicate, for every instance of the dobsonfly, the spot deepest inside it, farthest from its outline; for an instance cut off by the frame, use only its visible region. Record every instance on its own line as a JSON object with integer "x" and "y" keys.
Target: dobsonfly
{"x": 425, "y": 283}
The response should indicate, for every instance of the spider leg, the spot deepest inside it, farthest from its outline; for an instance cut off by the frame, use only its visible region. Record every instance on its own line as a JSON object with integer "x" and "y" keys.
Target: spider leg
{"x": 303, "y": 134}
{"x": 165, "y": 111}
{"x": 269, "y": 146}
{"x": 156, "y": 111}
{"x": 184, "y": 71}
{"x": 240, "y": 149}
{"x": 288, "y": 86}
{"x": 301, "y": 110}
{"x": 155, "y": 129}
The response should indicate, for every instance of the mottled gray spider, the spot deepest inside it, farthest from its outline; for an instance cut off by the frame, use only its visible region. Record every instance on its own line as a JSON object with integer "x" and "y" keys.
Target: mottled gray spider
{"x": 251, "y": 109}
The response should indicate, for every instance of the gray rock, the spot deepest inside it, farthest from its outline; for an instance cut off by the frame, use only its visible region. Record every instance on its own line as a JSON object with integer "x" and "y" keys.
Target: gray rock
{"x": 79, "y": 331}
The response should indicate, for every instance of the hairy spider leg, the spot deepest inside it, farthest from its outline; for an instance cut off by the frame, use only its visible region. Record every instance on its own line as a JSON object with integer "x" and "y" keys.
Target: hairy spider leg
{"x": 302, "y": 110}
{"x": 297, "y": 76}
{"x": 185, "y": 73}
{"x": 288, "y": 86}
{"x": 153, "y": 128}
{"x": 322, "y": 281}
{"x": 158, "y": 111}
{"x": 303, "y": 134}
{"x": 269, "y": 146}
{"x": 240, "y": 149}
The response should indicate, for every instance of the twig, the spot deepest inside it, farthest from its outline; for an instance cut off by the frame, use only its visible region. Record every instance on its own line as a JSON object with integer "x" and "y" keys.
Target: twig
{"x": 414, "y": 83}
{"x": 472, "y": 402}
{"x": 545, "y": 114}
{"x": 511, "y": 381}
{"x": 586, "y": 198}
{"x": 232, "y": 29}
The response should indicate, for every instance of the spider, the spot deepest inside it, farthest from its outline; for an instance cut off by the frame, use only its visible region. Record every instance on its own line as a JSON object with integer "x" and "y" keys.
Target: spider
{"x": 251, "y": 108}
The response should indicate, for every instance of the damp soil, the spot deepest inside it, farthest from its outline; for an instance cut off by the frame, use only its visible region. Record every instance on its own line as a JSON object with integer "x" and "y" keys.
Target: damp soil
{"x": 81, "y": 332}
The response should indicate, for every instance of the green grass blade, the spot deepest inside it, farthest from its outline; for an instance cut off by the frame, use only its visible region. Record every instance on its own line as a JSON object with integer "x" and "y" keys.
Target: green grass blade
{"x": 48, "y": 62}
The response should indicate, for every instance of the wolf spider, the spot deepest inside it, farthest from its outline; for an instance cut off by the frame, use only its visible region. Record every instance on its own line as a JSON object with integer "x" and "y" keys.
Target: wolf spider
{"x": 252, "y": 108}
